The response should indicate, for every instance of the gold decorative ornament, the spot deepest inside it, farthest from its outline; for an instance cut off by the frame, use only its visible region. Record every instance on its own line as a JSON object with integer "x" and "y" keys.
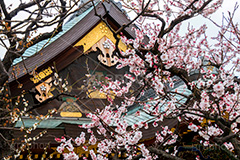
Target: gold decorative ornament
{"x": 70, "y": 108}
{"x": 44, "y": 90}
{"x": 95, "y": 35}
{"x": 43, "y": 74}
{"x": 106, "y": 56}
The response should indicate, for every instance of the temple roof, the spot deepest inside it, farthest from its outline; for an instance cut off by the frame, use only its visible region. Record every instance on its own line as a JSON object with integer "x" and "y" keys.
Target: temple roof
{"x": 66, "y": 27}
{"x": 74, "y": 30}
{"x": 78, "y": 26}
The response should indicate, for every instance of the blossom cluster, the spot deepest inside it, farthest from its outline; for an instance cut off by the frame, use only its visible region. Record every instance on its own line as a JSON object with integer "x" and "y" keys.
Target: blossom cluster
{"x": 209, "y": 107}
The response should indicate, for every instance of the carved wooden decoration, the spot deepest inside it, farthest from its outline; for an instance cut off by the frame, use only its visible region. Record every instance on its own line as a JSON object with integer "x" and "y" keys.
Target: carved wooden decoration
{"x": 70, "y": 108}
{"x": 44, "y": 90}
{"x": 107, "y": 47}
{"x": 43, "y": 74}
{"x": 95, "y": 35}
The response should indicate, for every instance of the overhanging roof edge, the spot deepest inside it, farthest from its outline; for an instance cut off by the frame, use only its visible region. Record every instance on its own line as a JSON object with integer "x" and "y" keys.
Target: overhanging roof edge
{"x": 59, "y": 45}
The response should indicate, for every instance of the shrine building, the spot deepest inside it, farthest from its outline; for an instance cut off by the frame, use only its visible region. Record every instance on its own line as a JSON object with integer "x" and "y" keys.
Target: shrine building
{"x": 80, "y": 54}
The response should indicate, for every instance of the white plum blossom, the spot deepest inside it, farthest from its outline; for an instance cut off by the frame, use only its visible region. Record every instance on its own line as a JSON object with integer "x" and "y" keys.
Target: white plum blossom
{"x": 229, "y": 146}
{"x": 144, "y": 150}
{"x": 214, "y": 131}
{"x": 164, "y": 57}
{"x": 80, "y": 140}
{"x": 70, "y": 156}
{"x": 60, "y": 149}
{"x": 181, "y": 78}
{"x": 93, "y": 155}
{"x": 159, "y": 137}
{"x": 204, "y": 135}
{"x": 92, "y": 140}
{"x": 158, "y": 85}
{"x": 218, "y": 89}
{"x": 193, "y": 127}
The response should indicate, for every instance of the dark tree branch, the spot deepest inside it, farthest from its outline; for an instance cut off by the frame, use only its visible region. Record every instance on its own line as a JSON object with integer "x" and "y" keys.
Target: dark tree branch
{"x": 185, "y": 17}
{"x": 236, "y": 145}
{"x": 3, "y": 74}
{"x": 163, "y": 153}
{"x": 23, "y": 6}
{"x": 221, "y": 140}
{"x": 4, "y": 10}
{"x": 160, "y": 19}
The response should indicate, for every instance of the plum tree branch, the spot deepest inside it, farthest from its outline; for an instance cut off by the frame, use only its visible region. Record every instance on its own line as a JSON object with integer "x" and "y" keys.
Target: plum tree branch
{"x": 3, "y": 74}
{"x": 163, "y": 153}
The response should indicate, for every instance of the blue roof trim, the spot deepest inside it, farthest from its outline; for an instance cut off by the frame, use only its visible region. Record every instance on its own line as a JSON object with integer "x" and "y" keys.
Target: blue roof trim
{"x": 131, "y": 118}
{"x": 66, "y": 27}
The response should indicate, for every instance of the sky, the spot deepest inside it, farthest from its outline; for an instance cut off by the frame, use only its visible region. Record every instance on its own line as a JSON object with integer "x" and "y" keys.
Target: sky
{"x": 228, "y": 5}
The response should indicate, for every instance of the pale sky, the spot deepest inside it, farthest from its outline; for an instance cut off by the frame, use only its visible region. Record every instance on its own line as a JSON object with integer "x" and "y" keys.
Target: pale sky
{"x": 228, "y": 5}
